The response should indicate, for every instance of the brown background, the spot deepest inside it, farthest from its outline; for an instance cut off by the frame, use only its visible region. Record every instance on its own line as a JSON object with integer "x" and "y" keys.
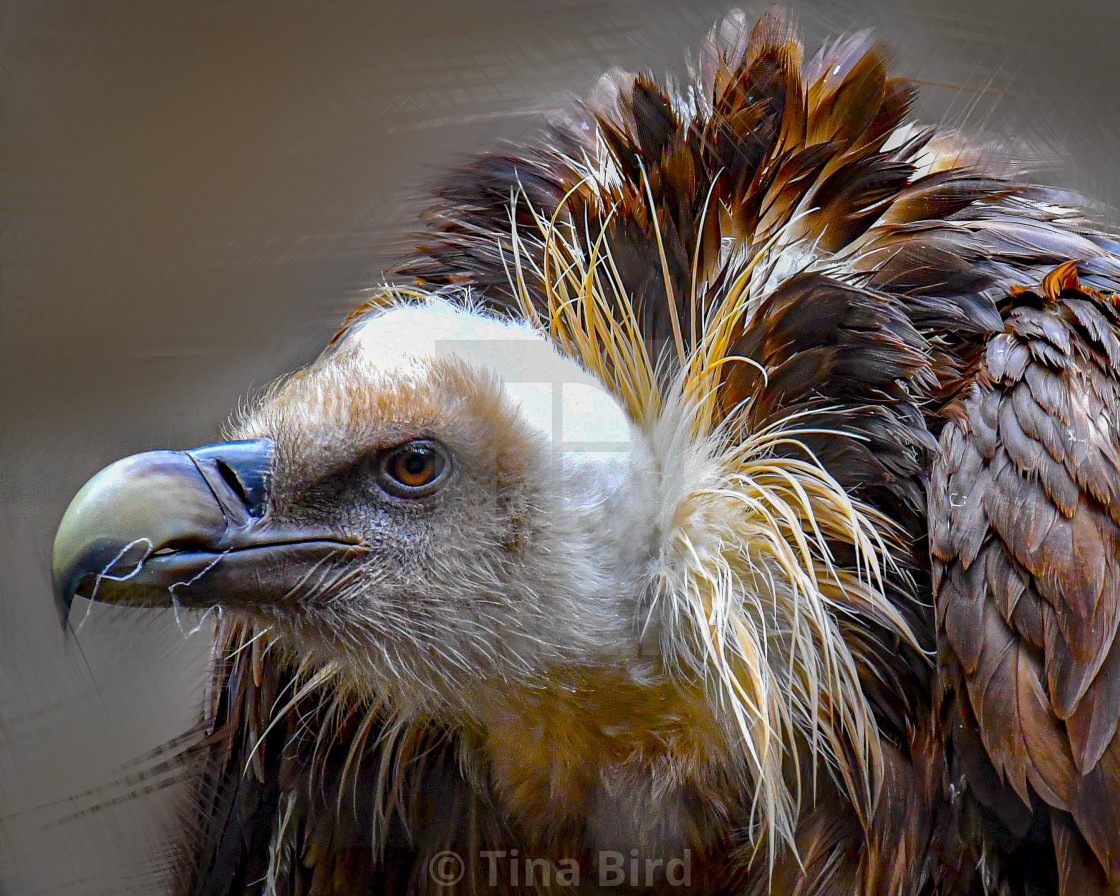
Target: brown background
{"x": 191, "y": 197}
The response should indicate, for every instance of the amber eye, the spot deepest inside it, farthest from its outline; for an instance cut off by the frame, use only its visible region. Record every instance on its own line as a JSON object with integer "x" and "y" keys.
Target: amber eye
{"x": 414, "y": 469}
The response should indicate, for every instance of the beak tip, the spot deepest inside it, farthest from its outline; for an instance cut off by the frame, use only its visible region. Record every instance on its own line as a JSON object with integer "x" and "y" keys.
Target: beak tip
{"x": 63, "y": 586}
{"x": 62, "y": 603}
{"x": 66, "y": 577}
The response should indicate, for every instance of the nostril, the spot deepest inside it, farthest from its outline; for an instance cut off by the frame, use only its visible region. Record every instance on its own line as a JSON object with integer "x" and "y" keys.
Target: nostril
{"x": 230, "y": 478}
{"x": 237, "y": 468}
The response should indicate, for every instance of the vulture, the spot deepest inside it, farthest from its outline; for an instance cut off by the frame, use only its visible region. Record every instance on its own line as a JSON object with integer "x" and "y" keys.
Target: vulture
{"x": 721, "y": 496}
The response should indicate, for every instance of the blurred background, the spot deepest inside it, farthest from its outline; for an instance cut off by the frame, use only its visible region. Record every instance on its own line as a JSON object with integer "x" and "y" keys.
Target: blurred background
{"x": 192, "y": 195}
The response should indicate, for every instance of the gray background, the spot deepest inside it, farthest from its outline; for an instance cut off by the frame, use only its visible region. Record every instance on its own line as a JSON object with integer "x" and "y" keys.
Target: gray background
{"x": 191, "y": 197}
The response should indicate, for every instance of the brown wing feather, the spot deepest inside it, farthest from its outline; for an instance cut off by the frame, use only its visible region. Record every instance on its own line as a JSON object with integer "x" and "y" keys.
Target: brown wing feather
{"x": 1025, "y": 535}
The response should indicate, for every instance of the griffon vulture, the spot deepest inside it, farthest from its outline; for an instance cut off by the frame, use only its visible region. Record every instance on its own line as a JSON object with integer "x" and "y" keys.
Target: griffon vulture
{"x": 723, "y": 495}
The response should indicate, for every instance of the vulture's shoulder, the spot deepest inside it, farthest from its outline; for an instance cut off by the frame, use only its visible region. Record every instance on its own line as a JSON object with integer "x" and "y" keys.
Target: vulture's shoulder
{"x": 1024, "y": 516}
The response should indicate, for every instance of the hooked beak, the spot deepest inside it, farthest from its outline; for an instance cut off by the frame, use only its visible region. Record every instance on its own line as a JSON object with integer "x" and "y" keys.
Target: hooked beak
{"x": 191, "y": 527}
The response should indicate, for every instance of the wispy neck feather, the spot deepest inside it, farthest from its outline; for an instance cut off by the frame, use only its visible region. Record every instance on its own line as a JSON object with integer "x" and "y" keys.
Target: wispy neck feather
{"x": 747, "y": 597}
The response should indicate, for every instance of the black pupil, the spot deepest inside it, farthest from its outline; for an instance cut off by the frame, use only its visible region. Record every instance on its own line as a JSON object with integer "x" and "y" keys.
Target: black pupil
{"x": 416, "y": 462}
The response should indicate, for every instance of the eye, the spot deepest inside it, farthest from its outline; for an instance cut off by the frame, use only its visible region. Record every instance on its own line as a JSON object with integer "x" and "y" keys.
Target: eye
{"x": 414, "y": 469}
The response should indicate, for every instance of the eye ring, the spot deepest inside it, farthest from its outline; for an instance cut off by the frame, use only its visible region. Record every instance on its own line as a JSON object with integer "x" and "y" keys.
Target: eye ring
{"x": 414, "y": 469}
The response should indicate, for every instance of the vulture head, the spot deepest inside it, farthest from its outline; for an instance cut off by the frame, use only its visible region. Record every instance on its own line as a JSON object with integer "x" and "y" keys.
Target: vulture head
{"x": 442, "y": 507}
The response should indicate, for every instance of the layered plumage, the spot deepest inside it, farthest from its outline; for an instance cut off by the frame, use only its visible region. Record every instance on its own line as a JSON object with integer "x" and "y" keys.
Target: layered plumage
{"x": 854, "y": 624}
